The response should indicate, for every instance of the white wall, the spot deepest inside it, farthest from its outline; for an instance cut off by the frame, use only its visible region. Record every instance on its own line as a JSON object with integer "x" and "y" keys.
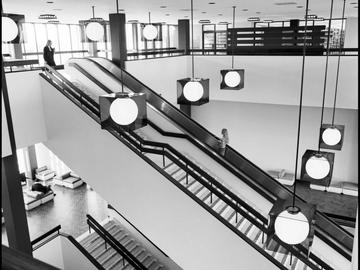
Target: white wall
{"x": 268, "y": 79}
{"x": 266, "y": 134}
{"x": 276, "y": 79}
{"x": 5, "y": 139}
{"x": 51, "y": 253}
{"x": 73, "y": 258}
{"x": 351, "y": 33}
{"x": 160, "y": 74}
{"x": 26, "y": 107}
{"x": 185, "y": 231}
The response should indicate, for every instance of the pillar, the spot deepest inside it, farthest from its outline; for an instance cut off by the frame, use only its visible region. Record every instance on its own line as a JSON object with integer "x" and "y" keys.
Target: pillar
{"x": 184, "y": 35}
{"x": 118, "y": 38}
{"x": 12, "y": 196}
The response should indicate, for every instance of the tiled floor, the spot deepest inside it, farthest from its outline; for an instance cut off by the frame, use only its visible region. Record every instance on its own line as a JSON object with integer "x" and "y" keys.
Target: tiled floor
{"x": 69, "y": 209}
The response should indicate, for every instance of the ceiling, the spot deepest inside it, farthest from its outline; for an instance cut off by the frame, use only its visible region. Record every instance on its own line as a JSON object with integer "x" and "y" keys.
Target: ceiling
{"x": 70, "y": 11}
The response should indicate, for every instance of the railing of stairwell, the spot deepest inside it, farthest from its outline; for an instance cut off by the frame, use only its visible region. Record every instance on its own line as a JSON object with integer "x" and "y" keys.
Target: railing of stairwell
{"x": 127, "y": 256}
{"x": 55, "y": 232}
{"x": 141, "y": 146}
{"x": 253, "y": 218}
{"x": 45, "y": 238}
{"x": 132, "y": 225}
{"x": 244, "y": 169}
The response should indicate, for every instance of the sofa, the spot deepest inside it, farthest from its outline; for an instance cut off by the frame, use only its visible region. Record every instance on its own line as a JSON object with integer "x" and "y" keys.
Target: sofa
{"x": 43, "y": 173}
{"x": 33, "y": 199}
{"x": 69, "y": 180}
{"x": 282, "y": 176}
{"x": 347, "y": 188}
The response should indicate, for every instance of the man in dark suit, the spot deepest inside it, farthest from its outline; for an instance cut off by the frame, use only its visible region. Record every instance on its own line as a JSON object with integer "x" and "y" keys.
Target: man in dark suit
{"x": 49, "y": 54}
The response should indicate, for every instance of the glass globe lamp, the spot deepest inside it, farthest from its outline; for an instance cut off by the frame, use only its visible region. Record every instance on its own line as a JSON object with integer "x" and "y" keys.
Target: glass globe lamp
{"x": 123, "y": 111}
{"x": 150, "y": 32}
{"x": 193, "y": 90}
{"x": 317, "y": 166}
{"x": 94, "y": 31}
{"x": 9, "y": 29}
{"x": 232, "y": 78}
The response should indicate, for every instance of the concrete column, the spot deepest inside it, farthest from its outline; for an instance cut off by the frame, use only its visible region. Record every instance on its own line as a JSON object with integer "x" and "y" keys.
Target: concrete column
{"x": 355, "y": 256}
{"x": 12, "y": 196}
{"x": 32, "y": 162}
{"x": 118, "y": 38}
{"x": 184, "y": 35}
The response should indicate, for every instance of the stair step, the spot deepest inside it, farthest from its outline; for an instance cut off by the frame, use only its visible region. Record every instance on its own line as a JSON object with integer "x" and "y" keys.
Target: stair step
{"x": 294, "y": 263}
{"x": 91, "y": 237}
{"x": 93, "y": 249}
{"x": 168, "y": 166}
{"x": 114, "y": 259}
{"x": 199, "y": 189}
{"x": 203, "y": 195}
{"x": 243, "y": 225}
{"x": 223, "y": 208}
{"x": 251, "y": 230}
{"x": 101, "y": 249}
{"x": 194, "y": 187}
{"x": 179, "y": 174}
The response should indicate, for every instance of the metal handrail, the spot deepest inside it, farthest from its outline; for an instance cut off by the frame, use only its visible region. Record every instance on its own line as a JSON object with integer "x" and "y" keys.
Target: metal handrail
{"x": 140, "y": 146}
{"x": 250, "y": 173}
{"x": 108, "y": 238}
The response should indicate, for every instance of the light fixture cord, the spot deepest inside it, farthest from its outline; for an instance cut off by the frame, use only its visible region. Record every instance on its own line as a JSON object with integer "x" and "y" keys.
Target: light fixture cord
{"x": 233, "y": 39}
{"x": 192, "y": 39}
{"x": 338, "y": 63}
{"x": 149, "y": 18}
{"x": 326, "y": 71}
{"x": 93, "y": 11}
{"x": 122, "y": 81}
{"x": 301, "y": 98}
{"x": 117, "y": 6}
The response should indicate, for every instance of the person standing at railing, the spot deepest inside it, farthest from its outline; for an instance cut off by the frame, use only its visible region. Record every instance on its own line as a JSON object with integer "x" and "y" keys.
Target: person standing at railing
{"x": 223, "y": 141}
{"x": 49, "y": 54}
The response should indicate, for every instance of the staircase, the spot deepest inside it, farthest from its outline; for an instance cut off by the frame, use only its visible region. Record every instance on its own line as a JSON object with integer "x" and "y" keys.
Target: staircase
{"x": 109, "y": 258}
{"x": 236, "y": 220}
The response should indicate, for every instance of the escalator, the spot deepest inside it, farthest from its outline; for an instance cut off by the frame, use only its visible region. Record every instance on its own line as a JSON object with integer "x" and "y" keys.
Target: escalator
{"x": 247, "y": 217}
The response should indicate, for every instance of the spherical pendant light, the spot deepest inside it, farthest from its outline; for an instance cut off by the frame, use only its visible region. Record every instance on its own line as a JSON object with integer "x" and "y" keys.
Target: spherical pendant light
{"x": 193, "y": 91}
{"x": 317, "y": 167}
{"x": 94, "y": 31}
{"x": 232, "y": 78}
{"x": 331, "y": 136}
{"x": 150, "y": 32}
{"x": 9, "y": 29}
{"x": 124, "y": 111}
{"x": 291, "y": 227}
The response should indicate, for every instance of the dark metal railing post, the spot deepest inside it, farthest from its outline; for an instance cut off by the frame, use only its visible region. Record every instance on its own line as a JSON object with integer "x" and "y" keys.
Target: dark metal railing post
{"x": 187, "y": 174}
{"x": 163, "y": 157}
{"x": 89, "y": 229}
{"x": 236, "y": 215}
{"x": 211, "y": 193}
{"x": 290, "y": 258}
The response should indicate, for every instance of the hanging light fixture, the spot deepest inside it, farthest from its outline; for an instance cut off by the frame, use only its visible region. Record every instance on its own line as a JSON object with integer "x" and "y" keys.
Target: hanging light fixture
{"x": 317, "y": 166}
{"x": 9, "y": 29}
{"x": 192, "y": 91}
{"x": 331, "y": 135}
{"x": 290, "y": 223}
{"x": 232, "y": 79}
{"x": 94, "y": 29}
{"x": 150, "y": 31}
{"x": 126, "y": 110}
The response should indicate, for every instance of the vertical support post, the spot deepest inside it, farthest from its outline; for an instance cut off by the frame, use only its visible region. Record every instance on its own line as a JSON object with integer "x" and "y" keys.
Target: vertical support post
{"x": 186, "y": 109}
{"x": 118, "y": 38}
{"x": 290, "y": 258}
{"x": 164, "y": 158}
{"x": 184, "y": 36}
{"x": 32, "y": 162}
{"x": 12, "y": 197}
{"x": 187, "y": 175}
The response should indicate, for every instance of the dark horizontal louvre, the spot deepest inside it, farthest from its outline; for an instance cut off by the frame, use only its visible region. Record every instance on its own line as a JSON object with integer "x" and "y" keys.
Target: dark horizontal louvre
{"x": 278, "y": 39}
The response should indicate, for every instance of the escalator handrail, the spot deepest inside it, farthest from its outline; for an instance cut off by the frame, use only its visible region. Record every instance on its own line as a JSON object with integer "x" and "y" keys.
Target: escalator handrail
{"x": 323, "y": 223}
{"x": 141, "y": 148}
{"x": 115, "y": 244}
{"x": 178, "y": 154}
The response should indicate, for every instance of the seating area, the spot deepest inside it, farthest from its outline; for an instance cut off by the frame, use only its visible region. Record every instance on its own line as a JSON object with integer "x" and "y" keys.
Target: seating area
{"x": 347, "y": 188}
{"x": 44, "y": 173}
{"x": 282, "y": 176}
{"x": 33, "y": 199}
{"x": 69, "y": 180}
